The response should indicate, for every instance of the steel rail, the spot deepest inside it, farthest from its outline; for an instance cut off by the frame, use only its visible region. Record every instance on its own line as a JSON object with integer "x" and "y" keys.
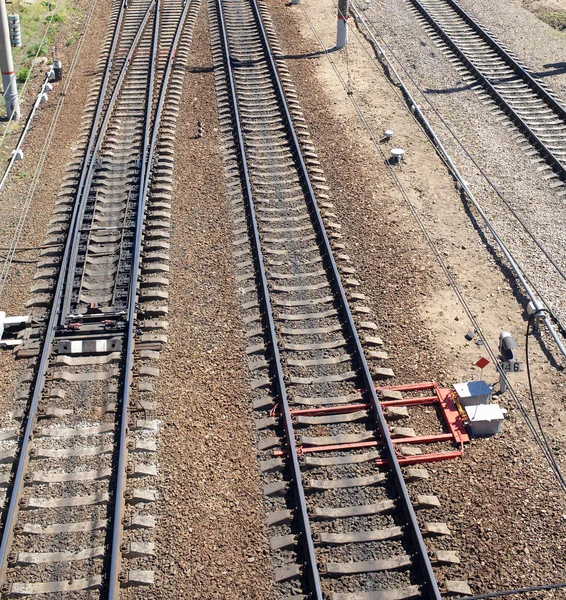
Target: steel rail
{"x": 509, "y": 60}
{"x": 421, "y": 118}
{"x": 307, "y": 538}
{"x": 335, "y": 278}
{"x": 149, "y": 147}
{"x": 449, "y": 128}
{"x": 494, "y": 93}
{"x": 430, "y": 580}
{"x": 119, "y": 494}
{"x": 84, "y": 190}
{"x": 374, "y": 139}
{"x": 43, "y": 153}
{"x": 23, "y": 459}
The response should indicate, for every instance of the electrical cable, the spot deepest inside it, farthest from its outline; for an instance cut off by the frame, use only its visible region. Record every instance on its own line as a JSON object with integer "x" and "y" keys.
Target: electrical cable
{"x": 466, "y": 151}
{"x": 23, "y": 89}
{"x": 420, "y": 119}
{"x": 530, "y": 324}
{"x": 4, "y": 271}
{"x": 527, "y": 590}
{"x": 544, "y": 447}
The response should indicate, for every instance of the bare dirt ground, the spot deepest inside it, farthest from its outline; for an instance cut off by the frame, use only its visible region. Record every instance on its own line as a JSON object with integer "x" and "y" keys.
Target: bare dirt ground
{"x": 542, "y": 5}
{"x": 500, "y": 499}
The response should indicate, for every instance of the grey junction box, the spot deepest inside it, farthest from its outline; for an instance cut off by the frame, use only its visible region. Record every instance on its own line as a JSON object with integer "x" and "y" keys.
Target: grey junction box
{"x": 472, "y": 393}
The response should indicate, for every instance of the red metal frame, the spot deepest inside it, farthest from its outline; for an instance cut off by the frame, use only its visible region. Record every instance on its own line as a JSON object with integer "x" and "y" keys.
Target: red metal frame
{"x": 443, "y": 397}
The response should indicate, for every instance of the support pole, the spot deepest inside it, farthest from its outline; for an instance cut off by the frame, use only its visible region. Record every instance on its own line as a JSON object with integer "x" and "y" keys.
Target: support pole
{"x": 502, "y": 383}
{"x": 7, "y": 66}
{"x": 342, "y": 25}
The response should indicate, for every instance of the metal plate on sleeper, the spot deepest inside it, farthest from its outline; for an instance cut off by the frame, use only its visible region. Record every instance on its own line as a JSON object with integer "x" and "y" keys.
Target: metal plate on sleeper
{"x": 89, "y": 346}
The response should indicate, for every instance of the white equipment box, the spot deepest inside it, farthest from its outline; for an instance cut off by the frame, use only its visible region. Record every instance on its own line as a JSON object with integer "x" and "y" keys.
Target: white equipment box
{"x": 473, "y": 392}
{"x": 485, "y": 419}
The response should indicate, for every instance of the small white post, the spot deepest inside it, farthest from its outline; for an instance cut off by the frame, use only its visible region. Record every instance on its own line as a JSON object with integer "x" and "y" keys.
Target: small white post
{"x": 7, "y": 66}
{"x": 342, "y": 24}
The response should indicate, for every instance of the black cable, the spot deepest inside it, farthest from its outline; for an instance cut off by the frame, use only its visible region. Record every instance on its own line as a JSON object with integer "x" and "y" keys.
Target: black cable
{"x": 405, "y": 95}
{"x": 544, "y": 447}
{"x": 527, "y": 590}
{"x": 530, "y": 324}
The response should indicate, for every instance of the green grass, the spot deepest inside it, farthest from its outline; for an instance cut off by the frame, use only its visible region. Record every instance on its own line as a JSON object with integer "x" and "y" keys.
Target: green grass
{"x": 39, "y": 48}
{"x": 24, "y": 175}
{"x": 35, "y": 17}
{"x": 72, "y": 38}
{"x": 22, "y": 75}
{"x": 555, "y": 18}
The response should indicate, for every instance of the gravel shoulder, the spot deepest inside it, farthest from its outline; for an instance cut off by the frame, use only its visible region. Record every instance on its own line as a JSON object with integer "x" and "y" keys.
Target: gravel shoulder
{"x": 500, "y": 499}
{"x": 210, "y": 538}
{"x": 491, "y": 144}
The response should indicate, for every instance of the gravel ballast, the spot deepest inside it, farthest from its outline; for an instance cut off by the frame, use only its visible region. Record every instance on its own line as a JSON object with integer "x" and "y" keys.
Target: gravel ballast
{"x": 210, "y": 537}
{"x": 20, "y": 276}
{"x": 505, "y": 510}
{"x": 500, "y": 498}
{"x": 494, "y": 147}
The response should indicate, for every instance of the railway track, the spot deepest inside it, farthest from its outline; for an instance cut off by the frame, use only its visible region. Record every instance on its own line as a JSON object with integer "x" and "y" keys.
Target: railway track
{"x": 522, "y": 98}
{"x": 342, "y": 520}
{"x": 79, "y": 488}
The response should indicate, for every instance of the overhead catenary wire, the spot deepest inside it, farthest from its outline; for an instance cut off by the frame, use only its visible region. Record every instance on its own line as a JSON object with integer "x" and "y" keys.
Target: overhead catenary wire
{"x": 546, "y": 451}
{"x": 525, "y": 590}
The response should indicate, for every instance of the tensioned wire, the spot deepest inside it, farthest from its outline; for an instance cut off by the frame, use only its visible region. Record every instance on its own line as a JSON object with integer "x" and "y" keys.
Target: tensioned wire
{"x": 13, "y": 248}
{"x": 490, "y": 227}
{"x": 486, "y": 177}
{"x": 22, "y": 91}
{"x": 488, "y": 180}
{"x": 545, "y": 448}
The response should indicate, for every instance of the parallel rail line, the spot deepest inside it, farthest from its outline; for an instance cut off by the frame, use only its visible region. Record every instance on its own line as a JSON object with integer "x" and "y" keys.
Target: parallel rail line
{"x": 296, "y": 271}
{"x": 371, "y": 32}
{"x": 535, "y": 112}
{"x": 63, "y": 530}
